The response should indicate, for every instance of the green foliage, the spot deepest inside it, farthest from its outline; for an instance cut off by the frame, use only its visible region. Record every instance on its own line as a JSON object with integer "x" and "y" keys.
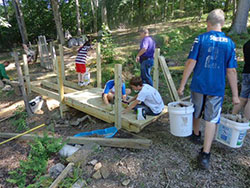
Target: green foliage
{"x": 19, "y": 120}
{"x": 35, "y": 166}
{"x": 107, "y": 45}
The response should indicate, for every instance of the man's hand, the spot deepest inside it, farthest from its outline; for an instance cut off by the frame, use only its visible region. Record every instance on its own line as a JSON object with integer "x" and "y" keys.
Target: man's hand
{"x": 180, "y": 91}
{"x": 137, "y": 59}
{"x": 235, "y": 100}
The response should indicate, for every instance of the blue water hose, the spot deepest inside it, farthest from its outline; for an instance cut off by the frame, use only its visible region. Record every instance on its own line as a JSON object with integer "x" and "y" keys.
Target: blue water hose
{"x": 107, "y": 132}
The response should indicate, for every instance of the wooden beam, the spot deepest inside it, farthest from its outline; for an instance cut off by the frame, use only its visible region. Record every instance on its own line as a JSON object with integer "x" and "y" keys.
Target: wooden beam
{"x": 62, "y": 175}
{"x": 136, "y": 143}
{"x": 169, "y": 80}
{"x": 20, "y": 79}
{"x": 156, "y": 68}
{"x": 52, "y": 85}
{"x": 44, "y": 92}
{"x": 26, "y": 73}
{"x": 98, "y": 65}
{"x": 118, "y": 96}
{"x": 75, "y": 85}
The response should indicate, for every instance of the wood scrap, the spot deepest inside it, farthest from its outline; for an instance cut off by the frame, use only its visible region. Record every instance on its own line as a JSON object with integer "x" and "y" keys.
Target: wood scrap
{"x": 1, "y": 120}
{"x": 109, "y": 142}
{"x": 62, "y": 175}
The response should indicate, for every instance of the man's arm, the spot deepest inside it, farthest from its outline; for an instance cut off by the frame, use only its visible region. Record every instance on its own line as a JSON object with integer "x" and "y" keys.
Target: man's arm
{"x": 232, "y": 78}
{"x": 189, "y": 67}
{"x": 131, "y": 106}
{"x": 141, "y": 52}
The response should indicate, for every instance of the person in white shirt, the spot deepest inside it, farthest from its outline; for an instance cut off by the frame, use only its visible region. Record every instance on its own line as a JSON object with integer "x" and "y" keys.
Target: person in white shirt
{"x": 148, "y": 98}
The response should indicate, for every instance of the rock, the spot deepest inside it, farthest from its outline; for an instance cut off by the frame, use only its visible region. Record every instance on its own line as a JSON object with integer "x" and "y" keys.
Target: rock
{"x": 7, "y": 88}
{"x": 97, "y": 175}
{"x": 79, "y": 184}
{"x": 105, "y": 172}
{"x": 126, "y": 182}
{"x": 98, "y": 166}
{"x": 56, "y": 170}
{"x": 93, "y": 162}
{"x": 68, "y": 150}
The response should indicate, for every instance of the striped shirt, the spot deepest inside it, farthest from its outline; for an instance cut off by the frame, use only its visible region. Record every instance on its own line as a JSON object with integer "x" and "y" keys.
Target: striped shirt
{"x": 82, "y": 55}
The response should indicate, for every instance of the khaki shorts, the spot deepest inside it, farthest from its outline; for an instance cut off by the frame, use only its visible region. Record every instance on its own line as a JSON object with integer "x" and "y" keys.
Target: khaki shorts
{"x": 207, "y": 106}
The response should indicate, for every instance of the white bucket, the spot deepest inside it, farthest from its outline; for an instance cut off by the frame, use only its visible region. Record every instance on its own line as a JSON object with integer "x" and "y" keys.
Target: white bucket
{"x": 181, "y": 119}
{"x": 231, "y": 133}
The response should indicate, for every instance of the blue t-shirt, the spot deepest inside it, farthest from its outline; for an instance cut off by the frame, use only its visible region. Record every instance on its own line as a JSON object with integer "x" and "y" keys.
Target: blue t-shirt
{"x": 149, "y": 44}
{"x": 214, "y": 52}
{"x": 110, "y": 85}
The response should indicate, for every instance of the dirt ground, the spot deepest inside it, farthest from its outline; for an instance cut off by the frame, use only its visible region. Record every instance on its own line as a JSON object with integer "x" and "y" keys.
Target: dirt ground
{"x": 170, "y": 161}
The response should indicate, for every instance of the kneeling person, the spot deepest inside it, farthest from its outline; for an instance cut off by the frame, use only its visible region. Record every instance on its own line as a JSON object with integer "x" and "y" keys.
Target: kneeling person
{"x": 148, "y": 98}
{"x": 109, "y": 92}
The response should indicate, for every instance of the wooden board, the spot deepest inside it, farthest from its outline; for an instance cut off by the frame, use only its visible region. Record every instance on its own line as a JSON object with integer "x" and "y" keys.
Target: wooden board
{"x": 90, "y": 102}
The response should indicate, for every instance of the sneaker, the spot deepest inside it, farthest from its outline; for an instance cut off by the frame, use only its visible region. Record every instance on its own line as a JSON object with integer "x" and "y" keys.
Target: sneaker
{"x": 203, "y": 160}
{"x": 196, "y": 139}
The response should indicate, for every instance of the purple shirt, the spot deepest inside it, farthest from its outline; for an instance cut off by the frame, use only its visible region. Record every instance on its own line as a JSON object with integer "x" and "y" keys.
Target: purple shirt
{"x": 149, "y": 44}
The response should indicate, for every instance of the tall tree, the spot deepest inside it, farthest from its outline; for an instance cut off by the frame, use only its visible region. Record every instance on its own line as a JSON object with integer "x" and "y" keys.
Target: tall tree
{"x": 94, "y": 7}
{"x": 78, "y": 18}
{"x": 20, "y": 21}
{"x": 182, "y": 4}
{"x": 57, "y": 18}
{"x": 104, "y": 13}
{"x": 240, "y": 22}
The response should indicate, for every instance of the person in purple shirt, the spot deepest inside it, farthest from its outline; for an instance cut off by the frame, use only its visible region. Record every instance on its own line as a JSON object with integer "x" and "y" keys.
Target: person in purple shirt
{"x": 146, "y": 56}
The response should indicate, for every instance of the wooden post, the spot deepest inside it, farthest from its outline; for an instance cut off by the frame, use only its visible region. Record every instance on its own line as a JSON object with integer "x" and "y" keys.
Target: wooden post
{"x": 118, "y": 96}
{"x": 26, "y": 73}
{"x": 62, "y": 61}
{"x": 53, "y": 55}
{"x": 172, "y": 89}
{"x": 40, "y": 51}
{"x": 156, "y": 68}
{"x": 98, "y": 65}
{"x": 60, "y": 87}
{"x": 21, "y": 82}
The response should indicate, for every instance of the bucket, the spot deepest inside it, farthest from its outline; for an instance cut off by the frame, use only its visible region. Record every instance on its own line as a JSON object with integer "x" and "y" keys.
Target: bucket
{"x": 231, "y": 133}
{"x": 181, "y": 118}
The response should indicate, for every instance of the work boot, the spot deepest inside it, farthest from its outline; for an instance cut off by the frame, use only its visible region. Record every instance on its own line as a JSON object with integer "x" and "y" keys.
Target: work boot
{"x": 203, "y": 160}
{"x": 196, "y": 139}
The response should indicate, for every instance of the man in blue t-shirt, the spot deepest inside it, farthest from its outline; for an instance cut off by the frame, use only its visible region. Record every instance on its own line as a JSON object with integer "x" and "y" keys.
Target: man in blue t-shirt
{"x": 109, "y": 92}
{"x": 146, "y": 56}
{"x": 211, "y": 58}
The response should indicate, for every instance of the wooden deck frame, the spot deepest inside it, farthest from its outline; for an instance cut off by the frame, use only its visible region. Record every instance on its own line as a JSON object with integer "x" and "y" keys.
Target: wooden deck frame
{"x": 66, "y": 97}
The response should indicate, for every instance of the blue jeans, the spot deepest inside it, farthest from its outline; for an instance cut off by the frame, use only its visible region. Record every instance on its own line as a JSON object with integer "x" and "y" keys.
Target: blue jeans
{"x": 146, "y": 67}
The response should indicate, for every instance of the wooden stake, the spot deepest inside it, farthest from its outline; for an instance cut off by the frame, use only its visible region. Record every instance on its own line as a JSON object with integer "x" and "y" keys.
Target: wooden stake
{"x": 62, "y": 175}
{"x": 53, "y": 56}
{"x": 60, "y": 86}
{"x": 62, "y": 61}
{"x": 21, "y": 82}
{"x": 118, "y": 96}
{"x": 26, "y": 73}
{"x": 98, "y": 65}
{"x": 156, "y": 68}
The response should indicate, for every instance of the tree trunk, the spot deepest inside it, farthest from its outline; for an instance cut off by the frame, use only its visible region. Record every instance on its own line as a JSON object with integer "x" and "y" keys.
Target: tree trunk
{"x": 5, "y": 11}
{"x": 20, "y": 21}
{"x": 240, "y": 22}
{"x": 78, "y": 19}
{"x": 172, "y": 8}
{"x": 104, "y": 13}
{"x": 234, "y": 7}
{"x": 94, "y": 13}
{"x": 182, "y": 4}
{"x": 57, "y": 18}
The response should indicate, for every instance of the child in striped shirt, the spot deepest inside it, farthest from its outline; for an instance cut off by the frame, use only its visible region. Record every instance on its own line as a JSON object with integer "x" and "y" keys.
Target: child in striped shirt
{"x": 81, "y": 60}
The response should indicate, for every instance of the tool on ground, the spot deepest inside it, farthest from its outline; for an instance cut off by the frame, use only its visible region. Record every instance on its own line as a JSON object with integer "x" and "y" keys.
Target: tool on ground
{"x": 107, "y": 133}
